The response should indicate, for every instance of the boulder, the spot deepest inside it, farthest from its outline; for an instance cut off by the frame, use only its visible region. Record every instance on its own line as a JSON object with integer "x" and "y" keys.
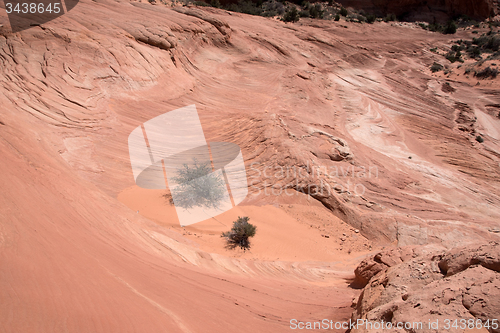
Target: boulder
{"x": 433, "y": 288}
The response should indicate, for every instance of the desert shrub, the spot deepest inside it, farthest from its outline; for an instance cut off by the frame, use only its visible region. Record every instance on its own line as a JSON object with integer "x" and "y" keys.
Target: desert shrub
{"x": 434, "y": 50}
{"x": 479, "y": 139}
{"x": 435, "y": 27}
{"x": 436, "y": 67}
{"x": 246, "y": 7}
{"x": 451, "y": 28}
{"x": 464, "y": 21}
{"x": 306, "y": 6}
{"x": 291, "y": 15}
{"x": 360, "y": 18}
{"x": 488, "y": 72}
{"x": 316, "y": 11}
{"x": 261, "y": 8}
{"x": 343, "y": 11}
{"x": 488, "y": 43}
{"x": 304, "y": 13}
{"x": 198, "y": 186}
{"x": 454, "y": 56}
{"x": 493, "y": 43}
{"x": 474, "y": 52}
{"x": 370, "y": 18}
{"x": 273, "y": 8}
{"x": 201, "y": 3}
{"x": 390, "y": 18}
{"x": 313, "y": 11}
{"x": 239, "y": 234}
{"x": 337, "y": 17}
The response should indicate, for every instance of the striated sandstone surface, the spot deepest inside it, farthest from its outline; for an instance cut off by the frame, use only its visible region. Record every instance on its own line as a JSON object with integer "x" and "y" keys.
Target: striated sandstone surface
{"x": 83, "y": 249}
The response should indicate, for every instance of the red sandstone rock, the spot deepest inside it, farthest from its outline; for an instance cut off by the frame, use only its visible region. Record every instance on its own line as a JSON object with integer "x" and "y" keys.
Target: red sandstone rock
{"x": 458, "y": 284}
{"x": 75, "y": 258}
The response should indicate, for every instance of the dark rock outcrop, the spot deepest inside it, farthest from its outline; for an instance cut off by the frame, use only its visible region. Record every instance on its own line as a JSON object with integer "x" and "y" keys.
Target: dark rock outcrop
{"x": 428, "y": 10}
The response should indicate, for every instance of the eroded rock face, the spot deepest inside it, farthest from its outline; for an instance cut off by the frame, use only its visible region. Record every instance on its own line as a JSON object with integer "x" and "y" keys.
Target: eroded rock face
{"x": 382, "y": 261}
{"x": 427, "y": 10}
{"x": 431, "y": 285}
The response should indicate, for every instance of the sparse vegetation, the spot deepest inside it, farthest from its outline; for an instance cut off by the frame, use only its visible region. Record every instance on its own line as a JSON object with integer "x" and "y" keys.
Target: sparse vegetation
{"x": 316, "y": 11}
{"x": 390, "y": 18}
{"x": 246, "y": 7}
{"x": 273, "y": 8}
{"x": 483, "y": 48}
{"x": 291, "y": 15}
{"x": 490, "y": 43}
{"x": 488, "y": 72}
{"x": 486, "y": 44}
{"x": 312, "y": 11}
{"x": 435, "y": 27}
{"x": 475, "y": 52}
{"x": 451, "y": 28}
{"x": 197, "y": 186}
{"x": 291, "y": 11}
{"x": 370, "y": 18}
{"x": 269, "y": 8}
{"x": 436, "y": 67}
{"x": 479, "y": 139}
{"x": 360, "y": 19}
{"x": 201, "y": 3}
{"x": 239, "y": 234}
{"x": 454, "y": 56}
{"x": 288, "y": 11}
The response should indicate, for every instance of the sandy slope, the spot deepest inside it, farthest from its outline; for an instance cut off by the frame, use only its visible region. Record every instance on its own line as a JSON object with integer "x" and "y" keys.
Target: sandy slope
{"x": 286, "y": 232}
{"x": 75, "y": 254}
{"x": 71, "y": 266}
